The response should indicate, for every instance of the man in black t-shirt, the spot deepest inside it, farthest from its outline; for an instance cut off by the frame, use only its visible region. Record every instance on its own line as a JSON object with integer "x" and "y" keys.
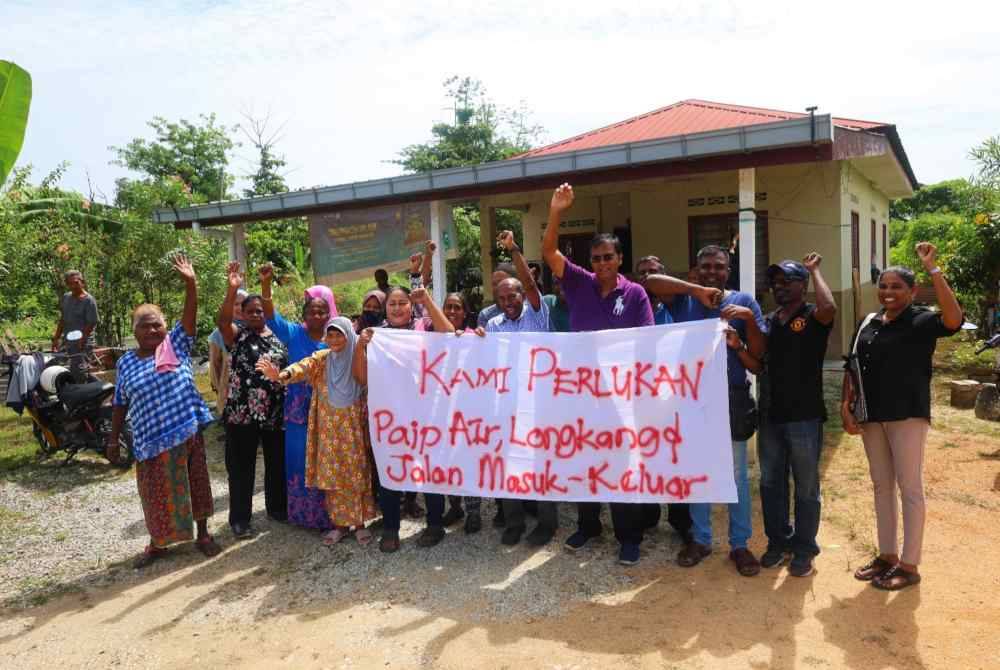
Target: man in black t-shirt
{"x": 792, "y": 412}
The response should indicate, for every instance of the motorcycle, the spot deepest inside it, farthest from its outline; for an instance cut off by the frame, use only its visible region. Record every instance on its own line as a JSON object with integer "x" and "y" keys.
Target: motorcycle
{"x": 72, "y": 414}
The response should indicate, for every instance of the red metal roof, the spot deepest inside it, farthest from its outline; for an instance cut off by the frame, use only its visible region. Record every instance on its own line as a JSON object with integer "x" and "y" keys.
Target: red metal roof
{"x": 682, "y": 118}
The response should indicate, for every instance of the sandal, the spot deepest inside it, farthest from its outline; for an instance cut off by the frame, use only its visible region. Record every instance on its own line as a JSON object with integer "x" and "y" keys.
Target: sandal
{"x": 363, "y": 536}
{"x": 895, "y": 579}
{"x": 333, "y": 537}
{"x": 873, "y": 569}
{"x": 208, "y": 546}
{"x": 746, "y": 563}
{"x": 389, "y": 543}
{"x": 149, "y": 555}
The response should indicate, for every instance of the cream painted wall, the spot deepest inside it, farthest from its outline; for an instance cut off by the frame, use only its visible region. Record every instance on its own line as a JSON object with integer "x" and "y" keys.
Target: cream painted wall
{"x": 808, "y": 205}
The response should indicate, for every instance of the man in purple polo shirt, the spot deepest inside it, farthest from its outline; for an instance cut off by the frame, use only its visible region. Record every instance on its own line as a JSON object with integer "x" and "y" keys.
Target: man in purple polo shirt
{"x": 598, "y": 300}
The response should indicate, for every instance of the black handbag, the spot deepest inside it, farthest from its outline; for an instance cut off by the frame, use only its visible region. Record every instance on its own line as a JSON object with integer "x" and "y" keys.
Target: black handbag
{"x": 743, "y": 417}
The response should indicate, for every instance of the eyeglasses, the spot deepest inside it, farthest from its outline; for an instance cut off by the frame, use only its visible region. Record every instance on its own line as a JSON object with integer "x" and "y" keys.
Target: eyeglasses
{"x": 603, "y": 258}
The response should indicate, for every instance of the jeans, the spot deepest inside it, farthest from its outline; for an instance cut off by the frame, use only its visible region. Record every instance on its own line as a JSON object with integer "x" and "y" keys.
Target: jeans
{"x": 740, "y": 512}
{"x": 782, "y": 449}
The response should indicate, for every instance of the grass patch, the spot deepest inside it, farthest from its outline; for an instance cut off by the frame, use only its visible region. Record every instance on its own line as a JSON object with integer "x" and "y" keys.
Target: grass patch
{"x": 18, "y": 447}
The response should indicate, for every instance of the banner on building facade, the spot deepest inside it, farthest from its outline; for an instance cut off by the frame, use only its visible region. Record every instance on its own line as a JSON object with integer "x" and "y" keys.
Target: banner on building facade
{"x": 352, "y": 244}
{"x": 634, "y": 415}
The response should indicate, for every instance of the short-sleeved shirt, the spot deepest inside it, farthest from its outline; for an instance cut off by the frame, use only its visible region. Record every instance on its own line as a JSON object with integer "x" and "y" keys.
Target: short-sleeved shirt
{"x": 531, "y": 320}
{"x": 627, "y": 306}
{"x": 895, "y": 360}
{"x": 558, "y": 314}
{"x": 164, "y": 408}
{"x": 253, "y": 399}
{"x": 792, "y": 382}
{"x": 485, "y": 314}
{"x": 300, "y": 345}
{"x": 661, "y": 315}
{"x": 687, "y": 308}
{"x": 78, "y": 313}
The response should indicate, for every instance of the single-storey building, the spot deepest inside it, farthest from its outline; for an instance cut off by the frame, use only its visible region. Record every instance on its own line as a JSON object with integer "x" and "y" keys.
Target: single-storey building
{"x": 669, "y": 182}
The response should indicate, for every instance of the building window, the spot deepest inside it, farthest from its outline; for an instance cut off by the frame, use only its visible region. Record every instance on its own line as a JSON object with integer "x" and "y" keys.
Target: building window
{"x": 855, "y": 241}
{"x": 719, "y": 229}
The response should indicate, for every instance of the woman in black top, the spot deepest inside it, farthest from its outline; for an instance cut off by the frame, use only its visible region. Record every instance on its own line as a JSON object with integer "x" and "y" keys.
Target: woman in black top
{"x": 254, "y": 412}
{"x": 895, "y": 348}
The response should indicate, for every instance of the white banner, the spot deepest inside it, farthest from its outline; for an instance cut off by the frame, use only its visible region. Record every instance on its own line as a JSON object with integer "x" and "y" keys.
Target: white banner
{"x": 634, "y": 415}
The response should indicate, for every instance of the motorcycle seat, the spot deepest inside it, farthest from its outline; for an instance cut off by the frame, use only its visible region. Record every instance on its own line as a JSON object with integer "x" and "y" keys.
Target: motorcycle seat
{"x": 76, "y": 395}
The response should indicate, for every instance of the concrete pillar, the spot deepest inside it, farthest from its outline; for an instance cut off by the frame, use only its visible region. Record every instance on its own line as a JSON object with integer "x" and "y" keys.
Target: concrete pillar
{"x": 748, "y": 231}
{"x": 238, "y": 246}
{"x": 440, "y": 220}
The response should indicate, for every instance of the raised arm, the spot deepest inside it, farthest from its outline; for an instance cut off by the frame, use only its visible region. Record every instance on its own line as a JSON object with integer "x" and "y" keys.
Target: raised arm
{"x": 359, "y": 366}
{"x": 506, "y": 240}
{"x": 666, "y": 287}
{"x": 951, "y": 312}
{"x": 266, "y": 272}
{"x": 826, "y": 308}
{"x": 428, "y": 266}
{"x": 225, "y": 319}
{"x": 420, "y": 296}
{"x": 189, "y": 318}
{"x": 562, "y": 200}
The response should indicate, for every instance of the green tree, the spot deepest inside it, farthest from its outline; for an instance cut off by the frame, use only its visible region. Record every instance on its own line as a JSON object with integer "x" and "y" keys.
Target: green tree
{"x": 961, "y": 218}
{"x": 947, "y": 196}
{"x": 480, "y": 132}
{"x": 284, "y": 242}
{"x": 195, "y": 153}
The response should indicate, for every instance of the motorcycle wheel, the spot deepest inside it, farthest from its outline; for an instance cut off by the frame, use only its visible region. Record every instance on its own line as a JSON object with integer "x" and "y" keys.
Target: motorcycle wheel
{"x": 45, "y": 448}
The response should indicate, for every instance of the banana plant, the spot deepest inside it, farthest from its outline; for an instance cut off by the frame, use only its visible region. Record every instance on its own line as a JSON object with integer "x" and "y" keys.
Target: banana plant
{"x": 15, "y": 101}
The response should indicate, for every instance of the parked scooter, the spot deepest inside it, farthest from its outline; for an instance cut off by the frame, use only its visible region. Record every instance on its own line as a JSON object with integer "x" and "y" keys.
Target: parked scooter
{"x": 73, "y": 417}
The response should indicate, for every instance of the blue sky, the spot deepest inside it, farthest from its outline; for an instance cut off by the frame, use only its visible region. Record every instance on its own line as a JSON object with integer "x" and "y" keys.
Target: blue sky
{"x": 355, "y": 82}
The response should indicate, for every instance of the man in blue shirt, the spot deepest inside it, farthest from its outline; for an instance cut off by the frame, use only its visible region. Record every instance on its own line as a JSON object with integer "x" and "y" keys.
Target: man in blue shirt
{"x": 522, "y": 310}
{"x": 710, "y": 300}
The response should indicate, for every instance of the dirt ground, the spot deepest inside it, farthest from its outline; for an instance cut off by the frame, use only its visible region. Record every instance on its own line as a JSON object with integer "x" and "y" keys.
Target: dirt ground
{"x": 662, "y": 616}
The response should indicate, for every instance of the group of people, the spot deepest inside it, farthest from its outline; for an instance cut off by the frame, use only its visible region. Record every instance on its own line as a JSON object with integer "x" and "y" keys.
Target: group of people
{"x": 297, "y": 390}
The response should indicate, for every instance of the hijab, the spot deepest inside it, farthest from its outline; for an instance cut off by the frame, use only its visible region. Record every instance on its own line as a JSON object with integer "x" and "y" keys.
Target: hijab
{"x": 324, "y": 292}
{"x": 365, "y": 320}
{"x": 341, "y": 387}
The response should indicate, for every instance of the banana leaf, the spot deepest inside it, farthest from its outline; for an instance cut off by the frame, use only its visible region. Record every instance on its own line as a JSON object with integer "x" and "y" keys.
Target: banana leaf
{"x": 15, "y": 100}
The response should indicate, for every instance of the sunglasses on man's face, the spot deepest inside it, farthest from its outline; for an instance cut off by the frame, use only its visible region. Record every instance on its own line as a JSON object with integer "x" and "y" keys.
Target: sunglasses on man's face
{"x": 603, "y": 258}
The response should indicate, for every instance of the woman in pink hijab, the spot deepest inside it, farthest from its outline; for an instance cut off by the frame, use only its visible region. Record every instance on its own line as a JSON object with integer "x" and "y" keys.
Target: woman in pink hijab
{"x": 306, "y": 506}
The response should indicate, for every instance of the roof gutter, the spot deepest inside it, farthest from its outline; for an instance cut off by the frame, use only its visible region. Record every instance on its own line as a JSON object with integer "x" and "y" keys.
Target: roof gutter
{"x": 437, "y": 184}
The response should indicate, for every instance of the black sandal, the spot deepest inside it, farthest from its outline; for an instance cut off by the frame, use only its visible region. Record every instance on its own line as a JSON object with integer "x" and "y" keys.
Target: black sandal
{"x": 873, "y": 569}
{"x": 896, "y": 579}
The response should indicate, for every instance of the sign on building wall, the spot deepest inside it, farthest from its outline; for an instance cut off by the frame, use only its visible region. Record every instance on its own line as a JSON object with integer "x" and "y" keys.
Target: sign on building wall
{"x": 637, "y": 415}
{"x": 352, "y": 244}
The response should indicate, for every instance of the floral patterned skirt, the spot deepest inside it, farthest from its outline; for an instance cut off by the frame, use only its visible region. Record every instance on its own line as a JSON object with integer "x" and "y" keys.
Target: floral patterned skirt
{"x": 338, "y": 460}
{"x": 175, "y": 491}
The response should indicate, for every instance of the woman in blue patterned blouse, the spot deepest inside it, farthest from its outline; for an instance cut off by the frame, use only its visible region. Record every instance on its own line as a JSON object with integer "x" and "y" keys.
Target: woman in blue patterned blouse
{"x": 155, "y": 388}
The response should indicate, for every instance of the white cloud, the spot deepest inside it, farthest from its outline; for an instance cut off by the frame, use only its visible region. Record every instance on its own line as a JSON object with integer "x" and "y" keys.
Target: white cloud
{"x": 358, "y": 81}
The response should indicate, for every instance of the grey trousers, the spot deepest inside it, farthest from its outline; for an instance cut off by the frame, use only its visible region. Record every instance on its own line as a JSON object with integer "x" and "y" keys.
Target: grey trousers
{"x": 896, "y": 458}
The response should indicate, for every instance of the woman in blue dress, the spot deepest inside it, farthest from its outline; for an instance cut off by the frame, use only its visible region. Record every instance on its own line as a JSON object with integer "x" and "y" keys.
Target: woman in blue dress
{"x": 306, "y": 506}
